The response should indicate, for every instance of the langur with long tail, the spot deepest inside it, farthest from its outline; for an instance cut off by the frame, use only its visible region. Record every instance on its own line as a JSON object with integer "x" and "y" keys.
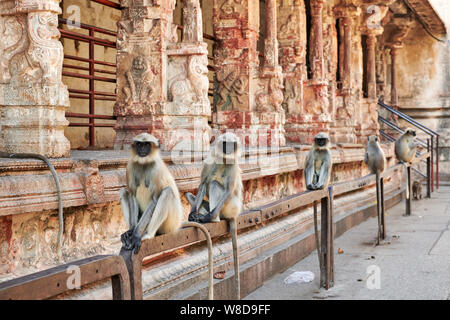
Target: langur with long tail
{"x": 220, "y": 192}
{"x": 317, "y": 174}
{"x": 151, "y": 202}
{"x": 375, "y": 160}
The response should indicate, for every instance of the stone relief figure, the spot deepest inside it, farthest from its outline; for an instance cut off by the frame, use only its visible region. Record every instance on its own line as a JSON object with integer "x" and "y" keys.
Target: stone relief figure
{"x": 345, "y": 110}
{"x": 319, "y": 105}
{"x": 42, "y": 61}
{"x": 231, "y": 90}
{"x": 14, "y": 41}
{"x": 289, "y": 28}
{"x": 292, "y": 91}
{"x": 271, "y": 99}
{"x": 138, "y": 78}
{"x": 192, "y": 21}
{"x": 229, "y": 6}
{"x": 123, "y": 32}
{"x": 197, "y": 73}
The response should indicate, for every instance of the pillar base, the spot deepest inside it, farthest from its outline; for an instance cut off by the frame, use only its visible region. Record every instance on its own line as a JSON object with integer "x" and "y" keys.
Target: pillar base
{"x": 34, "y": 129}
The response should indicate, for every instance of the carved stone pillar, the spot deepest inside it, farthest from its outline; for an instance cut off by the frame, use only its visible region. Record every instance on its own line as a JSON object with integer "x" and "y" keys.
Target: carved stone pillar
{"x": 162, "y": 85}
{"x": 371, "y": 41}
{"x": 394, "y": 94}
{"x": 316, "y": 40}
{"x": 33, "y": 99}
{"x": 347, "y": 102}
{"x": 247, "y": 97}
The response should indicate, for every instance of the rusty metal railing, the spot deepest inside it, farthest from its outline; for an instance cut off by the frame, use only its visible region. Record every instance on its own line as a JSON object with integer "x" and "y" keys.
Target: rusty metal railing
{"x": 433, "y": 136}
{"x": 52, "y": 282}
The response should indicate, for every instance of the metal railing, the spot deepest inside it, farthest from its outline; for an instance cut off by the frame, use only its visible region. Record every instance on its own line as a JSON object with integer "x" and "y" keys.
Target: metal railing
{"x": 93, "y": 68}
{"x": 52, "y": 282}
{"x": 432, "y": 144}
{"x": 100, "y": 267}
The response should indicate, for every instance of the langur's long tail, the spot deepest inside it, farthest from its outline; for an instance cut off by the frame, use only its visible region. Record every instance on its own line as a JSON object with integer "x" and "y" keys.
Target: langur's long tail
{"x": 58, "y": 188}
{"x": 378, "y": 186}
{"x": 210, "y": 255}
{"x": 233, "y": 230}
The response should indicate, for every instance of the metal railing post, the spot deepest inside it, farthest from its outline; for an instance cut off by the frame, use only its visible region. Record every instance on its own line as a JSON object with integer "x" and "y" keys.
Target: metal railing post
{"x": 383, "y": 223}
{"x": 326, "y": 234}
{"x": 437, "y": 162}
{"x": 429, "y": 164}
{"x": 409, "y": 191}
{"x": 432, "y": 164}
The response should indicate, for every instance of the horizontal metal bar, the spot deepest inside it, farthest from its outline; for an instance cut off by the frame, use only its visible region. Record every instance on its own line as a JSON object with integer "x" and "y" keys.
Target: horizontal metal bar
{"x": 87, "y": 76}
{"x": 103, "y": 125}
{"x": 100, "y": 93}
{"x": 86, "y": 38}
{"x": 110, "y": 64}
{"x": 94, "y": 116}
{"x": 52, "y": 282}
{"x": 108, "y": 4}
{"x": 90, "y": 27}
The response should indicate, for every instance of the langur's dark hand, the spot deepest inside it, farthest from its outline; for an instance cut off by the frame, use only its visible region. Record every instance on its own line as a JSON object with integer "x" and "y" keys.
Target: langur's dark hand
{"x": 135, "y": 243}
{"x": 126, "y": 238}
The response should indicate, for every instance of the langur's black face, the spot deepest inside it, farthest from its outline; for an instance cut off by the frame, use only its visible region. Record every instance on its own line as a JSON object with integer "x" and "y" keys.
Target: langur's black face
{"x": 143, "y": 148}
{"x": 321, "y": 142}
{"x": 229, "y": 147}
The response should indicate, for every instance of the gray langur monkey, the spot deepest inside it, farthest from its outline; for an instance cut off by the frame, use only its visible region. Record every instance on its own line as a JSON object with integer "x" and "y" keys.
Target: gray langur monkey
{"x": 151, "y": 202}
{"x": 376, "y": 162}
{"x": 374, "y": 157}
{"x": 220, "y": 192}
{"x": 406, "y": 146}
{"x": 417, "y": 190}
{"x": 58, "y": 188}
{"x": 318, "y": 163}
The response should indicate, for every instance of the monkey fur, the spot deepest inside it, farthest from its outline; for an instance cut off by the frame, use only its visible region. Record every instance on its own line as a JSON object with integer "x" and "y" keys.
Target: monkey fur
{"x": 417, "y": 190}
{"x": 374, "y": 156}
{"x": 318, "y": 163}
{"x": 151, "y": 202}
{"x": 406, "y": 146}
{"x": 220, "y": 192}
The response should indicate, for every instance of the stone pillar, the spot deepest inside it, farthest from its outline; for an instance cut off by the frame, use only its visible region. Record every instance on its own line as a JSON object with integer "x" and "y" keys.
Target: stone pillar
{"x": 316, "y": 41}
{"x": 162, "y": 84}
{"x": 394, "y": 94}
{"x": 345, "y": 125}
{"x": 247, "y": 97}
{"x": 33, "y": 99}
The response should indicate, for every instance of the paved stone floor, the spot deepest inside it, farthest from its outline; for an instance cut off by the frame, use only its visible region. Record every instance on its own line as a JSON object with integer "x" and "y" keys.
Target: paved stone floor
{"x": 413, "y": 264}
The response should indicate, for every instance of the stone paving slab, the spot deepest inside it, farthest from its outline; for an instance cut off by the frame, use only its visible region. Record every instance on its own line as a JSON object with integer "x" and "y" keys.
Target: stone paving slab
{"x": 413, "y": 264}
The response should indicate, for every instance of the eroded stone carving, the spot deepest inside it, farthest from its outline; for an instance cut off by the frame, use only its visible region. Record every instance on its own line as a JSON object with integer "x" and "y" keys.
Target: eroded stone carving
{"x": 139, "y": 79}
{"x": 231, "y": 90}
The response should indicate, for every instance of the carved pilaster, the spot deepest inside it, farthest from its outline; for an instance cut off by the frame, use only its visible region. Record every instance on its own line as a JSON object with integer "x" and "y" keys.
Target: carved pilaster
{"x": 33, "y": 99}
{"x": 316, "y": 40}
{"x": 247, "y": 97}
{"x": 162, "y": 84}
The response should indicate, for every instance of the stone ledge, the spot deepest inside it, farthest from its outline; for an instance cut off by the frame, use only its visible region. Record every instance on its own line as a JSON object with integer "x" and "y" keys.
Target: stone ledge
{"x": 95, "y": 177}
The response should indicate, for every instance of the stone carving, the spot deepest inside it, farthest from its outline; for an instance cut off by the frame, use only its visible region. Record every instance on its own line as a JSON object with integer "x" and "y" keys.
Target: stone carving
{"x": 231, "y": 90}
{"x": 229, "y": 6}
{"x": 123, "y": 35}
{"x": 42, "y": 61}
{"x": 197, "y": 74}
{"x": 289, "y": 28}
{"x": 293, "y": 91}
{"x": 139, "y": 78}
{"x": 14, "y": 41}
{"x": 271, "y": 99}
{"x": 192, "y": 21}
